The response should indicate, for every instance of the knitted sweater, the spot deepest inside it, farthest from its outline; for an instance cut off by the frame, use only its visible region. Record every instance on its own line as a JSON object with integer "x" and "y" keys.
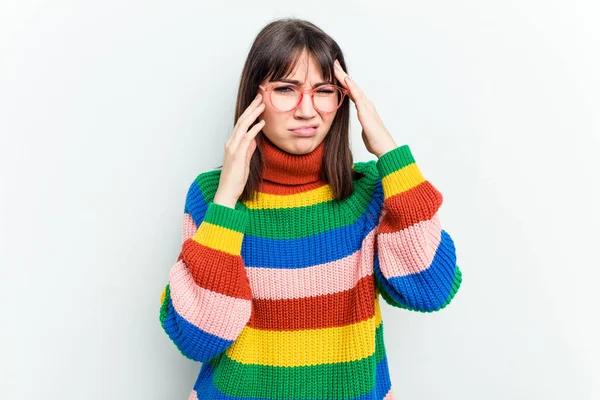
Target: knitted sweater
{"x": 279, "y": 296}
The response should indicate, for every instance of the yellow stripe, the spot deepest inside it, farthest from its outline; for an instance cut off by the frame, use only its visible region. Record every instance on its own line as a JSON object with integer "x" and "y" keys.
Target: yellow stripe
{"x": 163, "y": 295}
{"x": 402, "y": 180}
{"x": 308, "y": 198}
{"x": 308, "y": 346}
{"x": 219, "y": 238}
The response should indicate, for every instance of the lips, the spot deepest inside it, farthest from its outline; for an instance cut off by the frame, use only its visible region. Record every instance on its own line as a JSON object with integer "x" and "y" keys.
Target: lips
{"x": 306, "y": 130}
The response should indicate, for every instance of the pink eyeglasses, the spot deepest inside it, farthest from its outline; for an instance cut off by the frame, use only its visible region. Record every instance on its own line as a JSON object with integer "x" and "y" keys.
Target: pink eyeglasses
{"x": 286, "y": 97}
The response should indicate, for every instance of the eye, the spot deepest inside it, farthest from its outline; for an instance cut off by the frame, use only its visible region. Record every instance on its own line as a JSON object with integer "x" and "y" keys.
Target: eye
{"x": 325, "y": 89}
{"x": 284, "y": 89}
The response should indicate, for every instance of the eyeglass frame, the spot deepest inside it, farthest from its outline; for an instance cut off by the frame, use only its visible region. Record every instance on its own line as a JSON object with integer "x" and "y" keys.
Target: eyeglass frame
{"x": 269, "y": 88}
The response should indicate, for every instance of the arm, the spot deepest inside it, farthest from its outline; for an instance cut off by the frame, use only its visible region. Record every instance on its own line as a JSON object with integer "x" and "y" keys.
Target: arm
{"x": 415, "y": 262}
{"x": 207, "y": 302}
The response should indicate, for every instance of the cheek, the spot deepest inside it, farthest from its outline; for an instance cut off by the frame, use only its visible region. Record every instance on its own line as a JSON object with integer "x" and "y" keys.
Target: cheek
{"x": 272, "y": 119}
{"x": 328, "y": 119}
{"x": 267, "y": 115}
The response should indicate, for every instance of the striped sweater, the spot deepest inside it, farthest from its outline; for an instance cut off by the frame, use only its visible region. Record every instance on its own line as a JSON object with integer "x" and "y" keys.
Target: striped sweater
{"x": 279, "y": 296}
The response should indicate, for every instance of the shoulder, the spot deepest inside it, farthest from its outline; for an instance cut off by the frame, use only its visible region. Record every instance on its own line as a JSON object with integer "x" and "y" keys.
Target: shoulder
{"x": 369, "y": 171}
{"x": 201, "y": 192}
{"x": 368, "y": 187}
{"x": 206, "y": 182}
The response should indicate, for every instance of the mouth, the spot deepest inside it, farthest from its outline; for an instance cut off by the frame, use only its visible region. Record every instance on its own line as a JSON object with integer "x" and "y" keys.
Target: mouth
{"x": 307, "y": 130}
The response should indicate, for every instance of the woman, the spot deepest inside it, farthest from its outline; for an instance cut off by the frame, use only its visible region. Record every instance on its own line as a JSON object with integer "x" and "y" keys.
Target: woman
{"x": 287, "y": 248}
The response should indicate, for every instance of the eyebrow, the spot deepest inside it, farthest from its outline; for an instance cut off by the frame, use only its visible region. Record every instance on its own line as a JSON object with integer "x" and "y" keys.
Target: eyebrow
{"x": 298, "y": 82}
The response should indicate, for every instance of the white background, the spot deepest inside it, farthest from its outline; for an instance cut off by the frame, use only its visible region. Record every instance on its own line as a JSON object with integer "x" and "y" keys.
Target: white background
{"x": 109, "y": 109}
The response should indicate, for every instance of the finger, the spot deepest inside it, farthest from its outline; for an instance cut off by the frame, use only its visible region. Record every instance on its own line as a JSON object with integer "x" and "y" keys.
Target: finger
{"x": 251, "y": 107}
{"x": 243, "y": 131}
{"x": 356, "y": 94}
{"x": 250, "y": 135}
{"x": 244, "y": 123}
{"x": 250, "y": 151}
{"x": 341, "y": 75}
{"x": 255, "y": 103}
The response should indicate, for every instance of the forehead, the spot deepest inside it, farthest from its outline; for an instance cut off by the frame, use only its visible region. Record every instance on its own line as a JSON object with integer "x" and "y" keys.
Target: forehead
{"x": 303, "y": 69}
{"x": 306, "y": 69}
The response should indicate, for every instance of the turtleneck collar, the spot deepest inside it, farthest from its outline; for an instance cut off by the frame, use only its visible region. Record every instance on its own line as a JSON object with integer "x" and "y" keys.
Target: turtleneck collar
{"x": 291, "y": 169}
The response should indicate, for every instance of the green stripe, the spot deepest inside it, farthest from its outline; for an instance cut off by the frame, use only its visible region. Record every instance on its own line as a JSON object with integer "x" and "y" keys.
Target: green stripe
{"x": 226, "y": 217}
{"x": 455, "y": 285}
{"x": 283, "y": 223}
{"x": 325, "y": 381}
{"x": 164, "y": 308}
{"x": 209, "y": 183}
{"x": 394, "y": 160}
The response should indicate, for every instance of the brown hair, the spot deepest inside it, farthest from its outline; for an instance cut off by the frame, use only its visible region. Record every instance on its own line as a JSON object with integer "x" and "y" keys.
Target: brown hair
{"x": 273, "y": 56}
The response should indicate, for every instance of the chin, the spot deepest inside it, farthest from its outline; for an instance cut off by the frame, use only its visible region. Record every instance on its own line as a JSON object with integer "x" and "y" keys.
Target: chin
{"x": 297, "y": 145}
{"x": 304, "y": 145}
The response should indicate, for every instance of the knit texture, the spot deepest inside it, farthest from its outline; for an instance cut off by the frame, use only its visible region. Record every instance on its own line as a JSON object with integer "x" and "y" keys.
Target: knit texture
{"x": 279, "y": 296}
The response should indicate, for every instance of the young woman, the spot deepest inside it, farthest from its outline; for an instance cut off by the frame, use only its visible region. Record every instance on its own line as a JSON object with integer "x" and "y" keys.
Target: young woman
{"x": 287, "y": 248}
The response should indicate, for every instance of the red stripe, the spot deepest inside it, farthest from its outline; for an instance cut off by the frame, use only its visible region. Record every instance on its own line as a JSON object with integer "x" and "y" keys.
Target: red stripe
{"x": 282, "y": 190}
{"x": 326, "y": 311}
{"x": 411, "y": 207}
{"x": 216, "y": 270}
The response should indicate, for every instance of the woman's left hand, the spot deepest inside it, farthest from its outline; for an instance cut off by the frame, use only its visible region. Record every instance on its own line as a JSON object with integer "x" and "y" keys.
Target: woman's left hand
{"x": 376, "y": 137}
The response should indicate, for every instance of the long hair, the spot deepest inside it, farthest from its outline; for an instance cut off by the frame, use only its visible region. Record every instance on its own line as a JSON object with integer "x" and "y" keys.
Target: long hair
{"x": 273, "y": 55}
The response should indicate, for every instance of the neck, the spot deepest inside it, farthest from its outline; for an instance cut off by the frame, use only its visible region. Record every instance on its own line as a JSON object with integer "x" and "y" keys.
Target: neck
{"x": 284, "y": 168}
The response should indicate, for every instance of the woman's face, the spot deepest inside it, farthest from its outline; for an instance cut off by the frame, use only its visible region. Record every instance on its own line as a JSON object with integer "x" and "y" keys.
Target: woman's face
{"x": 279, "y": 125}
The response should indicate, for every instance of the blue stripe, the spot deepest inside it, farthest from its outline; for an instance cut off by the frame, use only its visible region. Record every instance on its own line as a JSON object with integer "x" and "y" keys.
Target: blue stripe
{"x": 192, "y": 341}
{"x": 307, "y": 251}
{"x": 311, "y": 250}
{"x": 195, "y": 205}
{"x": 428, "y": 289}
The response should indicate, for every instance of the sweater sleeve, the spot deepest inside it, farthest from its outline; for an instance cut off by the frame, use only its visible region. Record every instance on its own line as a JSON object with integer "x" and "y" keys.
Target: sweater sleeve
{"x": 207, "y": 301}
{"x": 415, "y": 266}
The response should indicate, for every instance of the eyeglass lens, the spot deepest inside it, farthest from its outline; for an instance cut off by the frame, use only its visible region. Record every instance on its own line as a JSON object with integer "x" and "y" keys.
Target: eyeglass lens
{"x": 327, "y": 97}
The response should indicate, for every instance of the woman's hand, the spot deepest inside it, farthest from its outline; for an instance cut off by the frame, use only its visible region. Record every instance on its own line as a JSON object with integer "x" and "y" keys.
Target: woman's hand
{"x": 238, "y": 152}
{"x": 376, "y": 137}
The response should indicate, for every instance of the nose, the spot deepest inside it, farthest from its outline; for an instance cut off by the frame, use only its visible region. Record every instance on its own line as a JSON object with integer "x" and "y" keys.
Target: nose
{"x": 305, "y": 108}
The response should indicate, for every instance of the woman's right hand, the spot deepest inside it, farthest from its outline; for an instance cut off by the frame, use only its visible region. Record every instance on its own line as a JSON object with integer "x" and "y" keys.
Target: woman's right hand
{"x": 238, "y": 152}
